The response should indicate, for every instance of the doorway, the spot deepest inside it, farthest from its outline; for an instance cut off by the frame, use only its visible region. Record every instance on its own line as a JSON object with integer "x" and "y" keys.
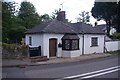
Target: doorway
{"x": 52, "y": 47}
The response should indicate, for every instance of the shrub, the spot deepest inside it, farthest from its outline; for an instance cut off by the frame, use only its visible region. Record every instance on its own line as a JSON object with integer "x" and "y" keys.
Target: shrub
{"x": 116, "y": 35}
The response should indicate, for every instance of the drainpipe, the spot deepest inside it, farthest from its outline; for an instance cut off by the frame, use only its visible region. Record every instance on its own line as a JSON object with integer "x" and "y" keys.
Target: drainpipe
{"x": 105, "y": 49}
{"x": 104, "y": 45}
{"x": 82, "y": 43}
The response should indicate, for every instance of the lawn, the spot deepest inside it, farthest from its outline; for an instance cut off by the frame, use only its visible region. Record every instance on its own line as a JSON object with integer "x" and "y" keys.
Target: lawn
{"x": 115, "y": 52}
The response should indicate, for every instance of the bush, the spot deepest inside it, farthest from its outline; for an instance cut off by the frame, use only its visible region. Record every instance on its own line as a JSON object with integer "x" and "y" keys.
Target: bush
{"x": 14, "y": 50}
{"x": 116, "y": 35}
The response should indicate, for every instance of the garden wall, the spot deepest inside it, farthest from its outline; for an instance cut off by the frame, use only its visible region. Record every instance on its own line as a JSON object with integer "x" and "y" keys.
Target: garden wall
{"x": 112, "y": 45}
{"x": 14, "y": 50}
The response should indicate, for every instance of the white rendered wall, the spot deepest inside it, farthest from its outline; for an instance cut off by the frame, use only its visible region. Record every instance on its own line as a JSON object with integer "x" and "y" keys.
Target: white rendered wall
{"x": 73, "y": 53}
{"x": 46, "y": 38}
{"x": 37, "y": 40}
{"x": 43, "y": 41}
{"x": 93, "y": 49}
{"x": 66, "y": 53}
{"x": 112, "y": 45}
{"x": 119, "y": 45}
{"x": 80, "y": 44}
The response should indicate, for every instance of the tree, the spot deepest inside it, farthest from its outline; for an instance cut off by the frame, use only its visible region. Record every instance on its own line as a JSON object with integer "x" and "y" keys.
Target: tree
{"x": 116, "y": 18}
{"x": 83, "y": 17}
{"x": 104, "y": 11}
{"x": 55, "y": 13}
{"x": 46, "y": 18}
{"x": 8, "y": 10}
{"x": 28, "y": 15}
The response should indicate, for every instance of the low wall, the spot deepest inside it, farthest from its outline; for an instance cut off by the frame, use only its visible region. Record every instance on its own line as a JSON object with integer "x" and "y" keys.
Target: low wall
{"x": 10, "y": 51}
{"x": 112, "y": 45}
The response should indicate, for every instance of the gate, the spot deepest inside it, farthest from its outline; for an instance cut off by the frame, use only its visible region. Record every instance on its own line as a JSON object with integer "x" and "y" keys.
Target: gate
{"x": 35, "y": 51}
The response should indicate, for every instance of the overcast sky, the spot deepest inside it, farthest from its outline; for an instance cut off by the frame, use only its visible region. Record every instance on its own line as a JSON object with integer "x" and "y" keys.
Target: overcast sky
{"x": 72, "y": 7}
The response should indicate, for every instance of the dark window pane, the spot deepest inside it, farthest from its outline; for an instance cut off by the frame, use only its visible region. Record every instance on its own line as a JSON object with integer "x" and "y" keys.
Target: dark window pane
{"x": 67, "y": 44}
{"x": 94, "y": 41}
{"x": 74, "y": 44}
{"x": 70, "y": 44}
{"x": 30, "y": 40}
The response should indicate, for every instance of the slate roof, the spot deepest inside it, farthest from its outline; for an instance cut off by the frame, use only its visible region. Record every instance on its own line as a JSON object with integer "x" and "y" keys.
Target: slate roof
{"x": 54, "y": 26}
{"x": 59, "y": 27}
{"x": 70, "y": 36}
{"x": 85, "y": 28}
{"x": 102, "y": 27}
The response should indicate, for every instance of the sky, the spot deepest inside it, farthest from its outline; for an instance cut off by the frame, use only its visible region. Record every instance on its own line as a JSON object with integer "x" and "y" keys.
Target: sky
{"x": 72, "y": 7}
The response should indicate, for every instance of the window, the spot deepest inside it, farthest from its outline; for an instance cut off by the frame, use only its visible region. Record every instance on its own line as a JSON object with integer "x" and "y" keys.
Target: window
{"x": 30, "y": 40}
{"x": 71, "y": 44}
{"x": 94, "y": 41}
{"x": 67, "y": 44}
{"x": 75, "y": 45}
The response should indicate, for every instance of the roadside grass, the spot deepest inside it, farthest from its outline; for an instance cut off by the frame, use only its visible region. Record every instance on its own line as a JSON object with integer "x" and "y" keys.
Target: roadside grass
{"x": 115, "y": 52}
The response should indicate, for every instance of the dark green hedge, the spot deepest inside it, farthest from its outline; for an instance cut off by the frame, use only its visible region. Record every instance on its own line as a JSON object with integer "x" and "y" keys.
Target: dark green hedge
{"x": 116, "y": 35}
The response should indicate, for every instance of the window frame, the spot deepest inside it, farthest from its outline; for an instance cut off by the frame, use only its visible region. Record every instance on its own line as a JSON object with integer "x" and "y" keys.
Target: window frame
{"x": 94, "y": 43}
{"x": 70, "y": 44}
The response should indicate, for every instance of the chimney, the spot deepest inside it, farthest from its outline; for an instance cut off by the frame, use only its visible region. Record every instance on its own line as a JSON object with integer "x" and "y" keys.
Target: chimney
{"x": 61, "y": 16}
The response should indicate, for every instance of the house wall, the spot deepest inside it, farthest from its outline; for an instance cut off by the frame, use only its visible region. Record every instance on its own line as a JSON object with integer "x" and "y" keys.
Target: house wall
{"x": 112, "y": 45}
{"x": 97, "y": 49}
{"x": 73, "y": 53}
{"x": 46, "y": 38}
{"x": 119, "y": 45}
{"x": 43, "y": 41}
{"x": 37, "y": 40}
{"x": 66, "y": 53}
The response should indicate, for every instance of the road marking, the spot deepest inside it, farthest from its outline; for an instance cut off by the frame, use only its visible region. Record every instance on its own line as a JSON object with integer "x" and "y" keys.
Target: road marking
{"x": 99, "y": 74}
{"x": 90, "y": 73}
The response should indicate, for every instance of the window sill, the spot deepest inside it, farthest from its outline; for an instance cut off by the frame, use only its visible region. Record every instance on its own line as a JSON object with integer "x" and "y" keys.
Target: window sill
{"x": 70, "y": 49}
{"x": 94, "y": 46}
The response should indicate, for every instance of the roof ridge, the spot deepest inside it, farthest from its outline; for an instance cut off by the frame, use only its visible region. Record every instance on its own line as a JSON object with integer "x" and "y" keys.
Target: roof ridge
{"x": 69, "y": 26}
{"x": 47, "y": 26}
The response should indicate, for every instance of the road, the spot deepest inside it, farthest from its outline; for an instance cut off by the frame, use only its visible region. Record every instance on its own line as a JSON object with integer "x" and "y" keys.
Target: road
{"x": 108, "y": 67}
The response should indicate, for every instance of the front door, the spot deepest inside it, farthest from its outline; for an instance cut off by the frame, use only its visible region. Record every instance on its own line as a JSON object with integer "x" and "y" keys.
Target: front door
{"x": 52, "y": 47}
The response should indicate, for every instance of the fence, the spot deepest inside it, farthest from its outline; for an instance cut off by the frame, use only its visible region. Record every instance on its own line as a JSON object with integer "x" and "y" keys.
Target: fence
{"x": 112, "y": 45}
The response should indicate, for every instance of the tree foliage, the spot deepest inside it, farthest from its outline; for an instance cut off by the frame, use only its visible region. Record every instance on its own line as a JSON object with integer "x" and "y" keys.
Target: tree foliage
{"x": 46, "y": 18}
{"x": 116, "y": 18}
{"x": 14, "y": 24}
{"x": 28, "y": 15}
{"x": 83, "y": 17}
{"x": 55, "y": 13}
{"x": 8, "y": 10}
{"x": 105, "y": 11}
{"x": 116, "y": 35}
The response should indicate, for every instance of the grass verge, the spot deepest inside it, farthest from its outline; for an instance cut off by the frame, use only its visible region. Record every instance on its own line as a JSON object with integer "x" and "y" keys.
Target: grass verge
{"x": 115, "y": 52}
